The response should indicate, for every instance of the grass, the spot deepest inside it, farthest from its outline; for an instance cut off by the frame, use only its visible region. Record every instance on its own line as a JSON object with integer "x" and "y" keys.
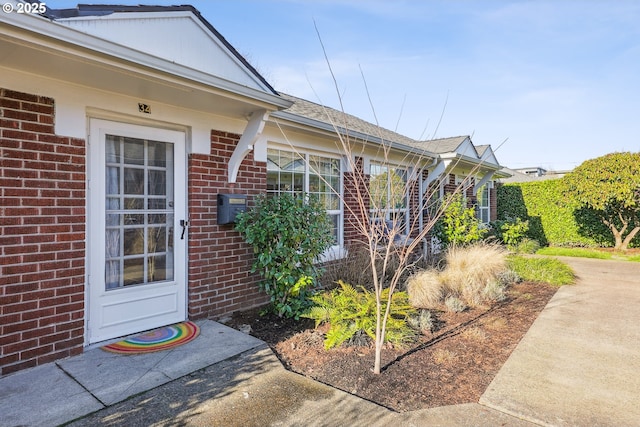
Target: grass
{"x": 544, "y": 270}
{"x": 574, "y": 252}
{"x": 587, "y": 253}
{"x": 444, "y": 357}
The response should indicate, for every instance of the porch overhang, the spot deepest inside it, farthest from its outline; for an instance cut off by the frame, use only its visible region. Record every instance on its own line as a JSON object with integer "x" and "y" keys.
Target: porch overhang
{"x": 35, "y": 45}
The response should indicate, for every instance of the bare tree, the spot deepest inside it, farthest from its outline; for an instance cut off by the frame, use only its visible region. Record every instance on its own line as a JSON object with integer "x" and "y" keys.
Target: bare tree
{"x": 376, "y": 205}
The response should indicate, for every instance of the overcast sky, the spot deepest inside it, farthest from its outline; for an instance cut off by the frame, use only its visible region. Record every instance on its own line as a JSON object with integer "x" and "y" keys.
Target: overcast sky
{"x": 559, "y": 80}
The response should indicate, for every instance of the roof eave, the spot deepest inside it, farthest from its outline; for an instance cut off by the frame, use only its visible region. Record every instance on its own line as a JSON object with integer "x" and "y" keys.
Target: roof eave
{"x": 333, "y": 130}
{"x": 43, "y": 31}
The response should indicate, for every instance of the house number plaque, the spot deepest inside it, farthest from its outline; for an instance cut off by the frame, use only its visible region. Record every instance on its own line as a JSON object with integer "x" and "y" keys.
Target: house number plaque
{"x": 144, "y": 108}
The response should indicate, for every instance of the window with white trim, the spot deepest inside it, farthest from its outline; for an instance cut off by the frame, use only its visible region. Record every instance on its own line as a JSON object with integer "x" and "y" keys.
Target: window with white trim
{"x": 483, "y": 210}
{"x": 305, "y": 173}
{"x": 388, "y": 190}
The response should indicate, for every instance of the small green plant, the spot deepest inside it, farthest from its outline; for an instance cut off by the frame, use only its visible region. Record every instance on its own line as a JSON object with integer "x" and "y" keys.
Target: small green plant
{"x": 350, "y": 311}
{"x": 455, "y": 304}
{"x": 458, "y": 225}
{"x": 287, "y": 234}
{"x": 510, "y": 231}
{"x": 527, "y": 246}
{"x": 514, "y": 231}
{"x": 495, "y": 291}
{"x": 542, "y": 269}
{"x": 423, "y": 321}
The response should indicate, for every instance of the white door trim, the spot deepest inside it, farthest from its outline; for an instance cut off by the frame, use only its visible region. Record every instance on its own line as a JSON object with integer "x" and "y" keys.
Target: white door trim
{"x": 146, "y": 306}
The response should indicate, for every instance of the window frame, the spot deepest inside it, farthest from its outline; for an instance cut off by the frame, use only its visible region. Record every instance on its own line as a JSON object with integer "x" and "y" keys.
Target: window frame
{"x": 481, "y": 201}
{"x": 389, "y": 211}
{"x": 303, "y": 156}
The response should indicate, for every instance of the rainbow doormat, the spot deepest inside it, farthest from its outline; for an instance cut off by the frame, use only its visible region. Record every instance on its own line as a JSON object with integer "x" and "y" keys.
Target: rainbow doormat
{"x": 157, "y": 340}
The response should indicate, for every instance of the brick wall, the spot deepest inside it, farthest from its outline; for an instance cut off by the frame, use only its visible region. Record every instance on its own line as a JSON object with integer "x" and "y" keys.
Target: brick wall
{"x": 353, "y": 180}
{"x": 42, "y": 235}
{"x": 493, "y": 204}
{"x": 415, "y": 207}
{"x": 219, "y": 260}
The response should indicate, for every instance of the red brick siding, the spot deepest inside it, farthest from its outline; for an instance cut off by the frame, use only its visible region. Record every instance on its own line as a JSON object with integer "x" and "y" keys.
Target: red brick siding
{"x": 493, "y": 204}
{"x": 415, "y": 208}
{"x": 219, "y": 260}
{"x": 353, "y": 180}
{"x": 42, "y": 235}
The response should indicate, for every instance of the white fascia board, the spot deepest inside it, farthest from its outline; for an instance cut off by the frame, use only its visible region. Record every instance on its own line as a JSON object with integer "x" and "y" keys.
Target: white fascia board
{"x": 461, "y": 160}
{"x": 91, "y": 47}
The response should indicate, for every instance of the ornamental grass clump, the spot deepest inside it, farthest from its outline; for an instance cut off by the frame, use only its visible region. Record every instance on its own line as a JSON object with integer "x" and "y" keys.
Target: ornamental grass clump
{"x": 473, "y": 276}
{"x": 425, "y": 289}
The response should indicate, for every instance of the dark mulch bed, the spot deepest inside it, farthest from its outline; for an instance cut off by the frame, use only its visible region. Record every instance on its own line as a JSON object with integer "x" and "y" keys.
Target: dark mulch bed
{"x": 452, "y": 365}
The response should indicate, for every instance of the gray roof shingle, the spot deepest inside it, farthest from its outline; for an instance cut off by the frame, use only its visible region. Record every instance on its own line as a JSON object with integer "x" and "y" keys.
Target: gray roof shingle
{"x": 342, "y": 121}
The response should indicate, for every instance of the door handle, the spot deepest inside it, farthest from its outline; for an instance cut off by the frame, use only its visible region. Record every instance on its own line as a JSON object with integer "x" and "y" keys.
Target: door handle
{"x": 184, "y": 224}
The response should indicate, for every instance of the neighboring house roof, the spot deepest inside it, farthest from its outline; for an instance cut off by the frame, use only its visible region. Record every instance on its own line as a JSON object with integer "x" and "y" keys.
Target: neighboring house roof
{"x": 445, "y": 145}
{"x": 101, "y": 10}
{"x": 518, "y": 176}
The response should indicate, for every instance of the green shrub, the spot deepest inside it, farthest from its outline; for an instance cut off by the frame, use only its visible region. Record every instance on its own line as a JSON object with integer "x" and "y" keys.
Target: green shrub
{"x": 458, "y": 224}
{"x": 287, "y": 234}
{"x": 349, "y": 311}
{"x": 513, "y": 231}
{"x": 542, "y": 269}
{"x": 552, "y": 216}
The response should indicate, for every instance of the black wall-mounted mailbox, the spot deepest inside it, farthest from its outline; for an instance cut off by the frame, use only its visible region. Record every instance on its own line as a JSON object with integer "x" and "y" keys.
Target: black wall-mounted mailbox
{"x": 229, "y": 205}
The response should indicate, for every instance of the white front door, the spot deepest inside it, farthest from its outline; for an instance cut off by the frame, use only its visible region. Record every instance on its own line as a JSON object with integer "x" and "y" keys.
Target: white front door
{"x": 136, "y": 245}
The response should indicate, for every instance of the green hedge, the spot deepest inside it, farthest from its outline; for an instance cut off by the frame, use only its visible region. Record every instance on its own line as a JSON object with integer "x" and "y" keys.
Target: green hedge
{"x": 554, "y": 219}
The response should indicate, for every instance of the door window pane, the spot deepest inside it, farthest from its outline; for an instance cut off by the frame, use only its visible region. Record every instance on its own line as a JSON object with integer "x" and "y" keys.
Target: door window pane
{"x": 139, "y": 227}
{"x": 133, "y": 181}
{"x": 157, "y": 154}
{"x": 133, "y": 151}
{"x": 133, "y": 271}
{"x": 157, "y": 182}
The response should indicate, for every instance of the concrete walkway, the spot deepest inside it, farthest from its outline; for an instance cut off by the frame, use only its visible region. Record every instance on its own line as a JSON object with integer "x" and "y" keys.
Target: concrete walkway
{"x": 578, "y": 365}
